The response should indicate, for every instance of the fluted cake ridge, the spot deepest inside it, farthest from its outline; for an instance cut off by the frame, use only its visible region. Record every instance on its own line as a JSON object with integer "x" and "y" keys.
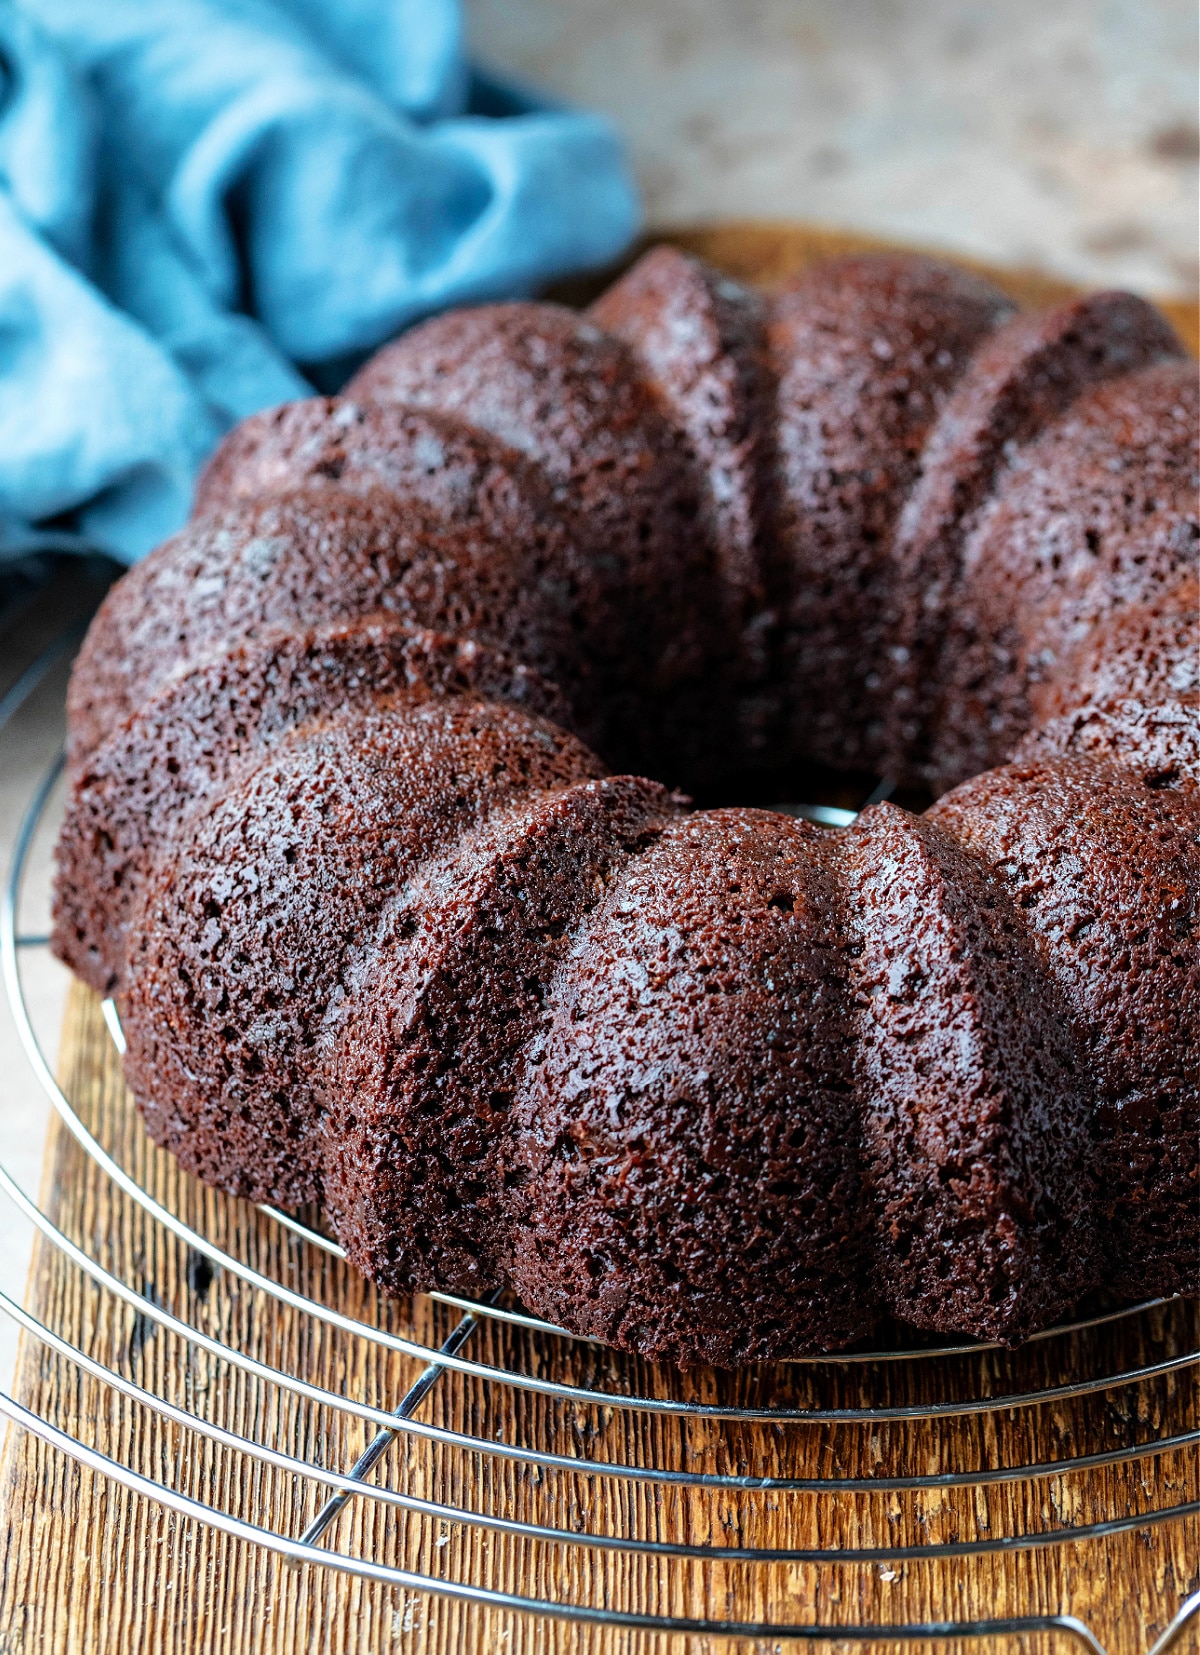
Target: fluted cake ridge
{"x": 359, "y": 836}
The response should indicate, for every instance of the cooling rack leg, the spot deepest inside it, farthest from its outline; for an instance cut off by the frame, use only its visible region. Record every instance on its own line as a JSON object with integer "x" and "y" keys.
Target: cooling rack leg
{"x": 382, "y": 1441}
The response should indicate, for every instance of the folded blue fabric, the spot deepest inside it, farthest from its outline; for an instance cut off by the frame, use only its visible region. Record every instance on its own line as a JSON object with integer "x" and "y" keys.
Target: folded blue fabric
{"x": 207, "y": 206}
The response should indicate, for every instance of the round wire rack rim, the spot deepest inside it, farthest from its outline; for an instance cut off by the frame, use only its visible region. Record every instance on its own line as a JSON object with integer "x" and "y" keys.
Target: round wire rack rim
{"x": 305, "y": 1550}
{"x": 449, "y": 1360}
{"x": 573, "y": 1394}
{"x": 354, "y": 1484}
{"x": 298, "y": 1551}
{"x": 396, "y": 1422}
{"x": 519, "y": 1318}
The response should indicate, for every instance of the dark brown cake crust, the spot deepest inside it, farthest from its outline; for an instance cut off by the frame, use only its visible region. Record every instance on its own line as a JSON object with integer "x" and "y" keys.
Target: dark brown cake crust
{"x": 1098, "y": 514}
{"x": 687, "y": 1141}
{"x": 135, "y": 792}
{"x": 1022, "y": 378}
{"x": 702, "y": 342}
{"x": 1131, "y": 692}
{"x": 569, "y": 396}
{"x": 1105, "y": 873}
{"x": 866, "y": 351}
{"x": 715, "y": 1086}
{"x": 239, "y": 941}
{"x": 975, "y": 1132}
{"x": 1144, "y": 652}
{"x": 556, "y": 388}
{"x": 461, "y": 472}
{"x": 1159, "y": 741}
{"x": 421, "y": 1085}
{"x": 308, "y": 558}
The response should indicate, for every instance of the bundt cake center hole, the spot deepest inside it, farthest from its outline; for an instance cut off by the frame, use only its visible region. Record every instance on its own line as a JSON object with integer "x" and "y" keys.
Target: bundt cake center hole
{"x": 784, "y": 787}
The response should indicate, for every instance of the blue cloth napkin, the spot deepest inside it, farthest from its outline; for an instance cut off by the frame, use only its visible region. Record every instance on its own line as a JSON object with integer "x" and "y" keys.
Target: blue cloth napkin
{"x": 209, "y": 206}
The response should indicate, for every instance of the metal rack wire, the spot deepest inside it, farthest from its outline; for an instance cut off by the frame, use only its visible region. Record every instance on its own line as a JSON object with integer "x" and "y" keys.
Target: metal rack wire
{"x": 517, "y": 1376}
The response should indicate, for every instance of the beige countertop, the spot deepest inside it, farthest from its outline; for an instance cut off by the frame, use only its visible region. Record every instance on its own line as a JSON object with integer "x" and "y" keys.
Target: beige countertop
{"x": 1058, "y": 135}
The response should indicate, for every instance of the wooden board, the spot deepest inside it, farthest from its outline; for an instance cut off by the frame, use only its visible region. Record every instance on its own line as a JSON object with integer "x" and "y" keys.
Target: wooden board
{"x": 86, "y": 1569}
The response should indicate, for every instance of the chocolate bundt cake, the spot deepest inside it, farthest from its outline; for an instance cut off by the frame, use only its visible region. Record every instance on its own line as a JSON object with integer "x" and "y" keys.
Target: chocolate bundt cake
{"x": 711, "y": 1085}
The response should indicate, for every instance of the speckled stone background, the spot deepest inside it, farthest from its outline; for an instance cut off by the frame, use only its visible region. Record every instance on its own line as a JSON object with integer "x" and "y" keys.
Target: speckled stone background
{"x": 1059, "y": 133}
{"x": 1051, "y": 133}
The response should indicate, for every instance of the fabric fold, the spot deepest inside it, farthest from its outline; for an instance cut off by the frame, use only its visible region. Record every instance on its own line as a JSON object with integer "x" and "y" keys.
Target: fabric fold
{"x": 207, "y": 206}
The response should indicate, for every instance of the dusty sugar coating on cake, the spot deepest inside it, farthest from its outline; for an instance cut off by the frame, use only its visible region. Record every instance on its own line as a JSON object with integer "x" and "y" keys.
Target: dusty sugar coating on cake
{"x": 139, "y": 787}
{"x": 976, "y": 1136}
{"x": 1098, "y": 513}
{"x": 421, "y": 1084}
{"x": 239, "y": 941}
{"x": 1020, "y": 380}
{"x": 687, "y": 1138}
{"x": 713, "y": 1085}
{"x": 1105, "y": 873}
{"x": 865, "y": 351}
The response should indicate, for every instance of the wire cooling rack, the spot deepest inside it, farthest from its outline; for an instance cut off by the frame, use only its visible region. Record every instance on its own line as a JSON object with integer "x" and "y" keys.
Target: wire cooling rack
{"x": 705, "y": 1437}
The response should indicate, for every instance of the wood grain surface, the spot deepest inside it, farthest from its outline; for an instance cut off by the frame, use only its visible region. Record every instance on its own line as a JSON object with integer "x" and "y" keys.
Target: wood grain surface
{"x": 88, "y": 1569}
